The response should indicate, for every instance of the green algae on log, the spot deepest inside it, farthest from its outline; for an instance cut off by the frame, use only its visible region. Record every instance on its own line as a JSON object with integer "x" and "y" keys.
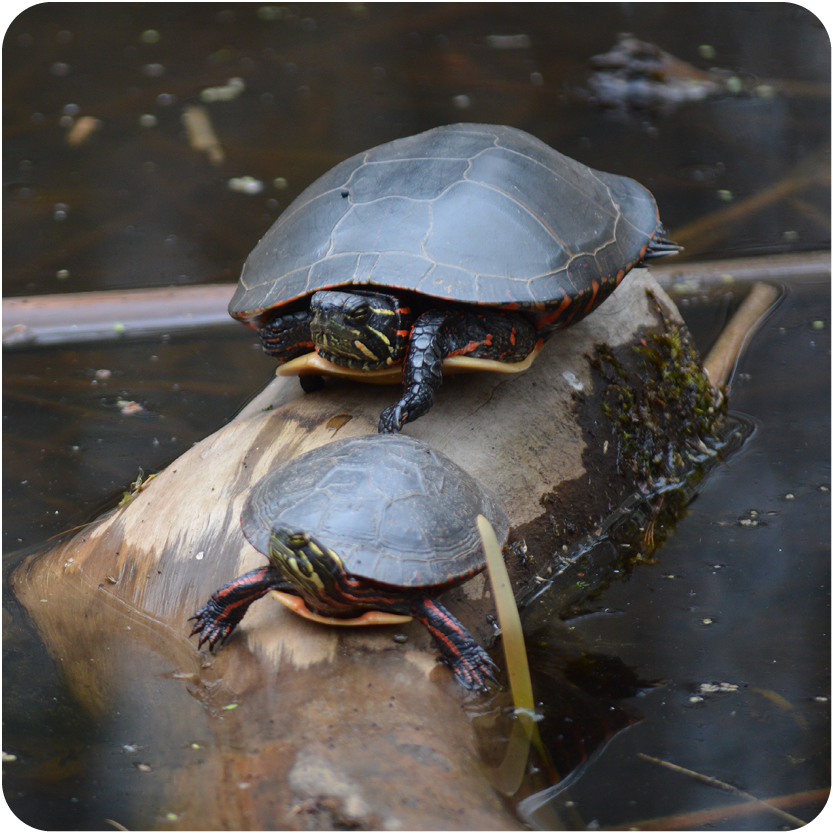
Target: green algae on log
{"x": 665, "y": 415}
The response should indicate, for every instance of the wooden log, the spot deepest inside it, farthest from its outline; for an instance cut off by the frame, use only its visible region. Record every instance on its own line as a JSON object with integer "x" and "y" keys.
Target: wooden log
{"x": 293, "y": 724}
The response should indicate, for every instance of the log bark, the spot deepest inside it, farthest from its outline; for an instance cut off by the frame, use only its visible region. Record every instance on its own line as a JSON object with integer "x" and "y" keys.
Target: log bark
{"x": 293, "y": 725}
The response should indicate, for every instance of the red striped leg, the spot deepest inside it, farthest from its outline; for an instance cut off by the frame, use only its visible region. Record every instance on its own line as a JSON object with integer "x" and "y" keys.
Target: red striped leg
{"x": 471, "y": 665}
{"x": 220, "y": 615}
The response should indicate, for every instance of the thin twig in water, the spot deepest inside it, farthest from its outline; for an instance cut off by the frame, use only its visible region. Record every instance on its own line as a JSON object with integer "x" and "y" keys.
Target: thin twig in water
{"x": 704, "y": 232}
{"x": 718, "y": 815}
{"x": 722, "y": 785}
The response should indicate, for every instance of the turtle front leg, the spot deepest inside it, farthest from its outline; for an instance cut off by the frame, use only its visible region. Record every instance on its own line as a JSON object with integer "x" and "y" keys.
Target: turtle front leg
{"x": 220, "y": 615}
{"x": 471, "y": 665}
{"x": 438, "y": 334}
{"x": 287, "y": 336}
{"x": 422, "y": 372}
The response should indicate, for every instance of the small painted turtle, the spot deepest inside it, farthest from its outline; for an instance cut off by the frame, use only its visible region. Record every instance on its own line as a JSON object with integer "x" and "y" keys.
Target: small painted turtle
{"x": 468, "y": 241}
{"x": 376, "y": 524}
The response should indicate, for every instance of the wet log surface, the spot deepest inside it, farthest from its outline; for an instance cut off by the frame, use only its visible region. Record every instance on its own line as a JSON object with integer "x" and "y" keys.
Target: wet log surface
{"x": 291, "y": 724}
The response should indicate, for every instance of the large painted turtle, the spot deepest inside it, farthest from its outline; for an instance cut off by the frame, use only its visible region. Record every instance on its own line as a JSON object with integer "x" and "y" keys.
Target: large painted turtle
{"x": 469, "y": 240}
{"x": 373, "y": 525}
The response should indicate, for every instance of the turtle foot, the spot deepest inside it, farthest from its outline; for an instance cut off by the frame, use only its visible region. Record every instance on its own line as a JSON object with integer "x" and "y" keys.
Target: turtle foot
{"x": 221, "y": 614}
{"x": 391, "y": 420}
{"x": 474, "y": 669}
{"x": 213, "y": 624}
{"x": 411, "y": 406}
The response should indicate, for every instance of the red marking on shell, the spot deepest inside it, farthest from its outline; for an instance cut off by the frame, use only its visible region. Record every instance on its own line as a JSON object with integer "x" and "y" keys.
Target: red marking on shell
{"x": 595, "y": 285}
{"x": 556, "y": 314}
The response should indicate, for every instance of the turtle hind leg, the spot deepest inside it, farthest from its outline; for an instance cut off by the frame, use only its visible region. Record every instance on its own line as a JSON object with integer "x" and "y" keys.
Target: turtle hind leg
{"x": 471, "y": 665}
{"x": 219, "y": 616}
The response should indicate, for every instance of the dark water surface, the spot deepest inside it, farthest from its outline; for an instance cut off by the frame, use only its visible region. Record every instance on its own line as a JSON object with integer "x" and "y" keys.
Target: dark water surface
{"x": 733, "y": 616}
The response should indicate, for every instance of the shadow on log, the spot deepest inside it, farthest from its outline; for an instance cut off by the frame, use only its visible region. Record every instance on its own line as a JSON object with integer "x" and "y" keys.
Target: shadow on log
{"x": 292, "y": 724}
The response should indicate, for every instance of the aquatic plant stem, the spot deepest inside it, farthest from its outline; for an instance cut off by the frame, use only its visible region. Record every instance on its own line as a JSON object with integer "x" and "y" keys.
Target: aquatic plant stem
{"x": 508, "y": 776}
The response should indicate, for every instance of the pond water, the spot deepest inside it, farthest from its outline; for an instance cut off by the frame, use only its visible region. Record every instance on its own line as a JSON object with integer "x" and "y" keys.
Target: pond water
{"x": 733, "y": 615}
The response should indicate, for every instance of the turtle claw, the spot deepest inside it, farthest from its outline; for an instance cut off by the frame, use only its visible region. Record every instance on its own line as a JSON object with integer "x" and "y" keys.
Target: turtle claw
{"x": 213, "y": 628}
{"x": 475, "y": 670}
{"x": 392, "y": 420}
{"x": 221, "y": 614}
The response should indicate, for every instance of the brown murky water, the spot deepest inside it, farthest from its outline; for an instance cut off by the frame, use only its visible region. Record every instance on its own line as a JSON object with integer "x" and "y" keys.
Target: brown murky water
{"x": 732, "y": 616}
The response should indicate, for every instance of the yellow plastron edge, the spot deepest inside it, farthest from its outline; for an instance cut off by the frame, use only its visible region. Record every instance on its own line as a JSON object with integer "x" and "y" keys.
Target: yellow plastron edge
{"x": 311, "y": 364}
{"x": 371, "y": 617}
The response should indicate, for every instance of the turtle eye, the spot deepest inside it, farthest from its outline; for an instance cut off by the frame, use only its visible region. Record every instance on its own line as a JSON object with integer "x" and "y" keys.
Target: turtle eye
{"x": 357, "y": 311}
{"x": 297, "y": 541}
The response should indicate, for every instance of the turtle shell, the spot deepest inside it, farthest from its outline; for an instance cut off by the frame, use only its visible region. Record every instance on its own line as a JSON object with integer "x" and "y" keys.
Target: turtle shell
{"x": 395, "y": 510}
{"x": 473, "y": 213}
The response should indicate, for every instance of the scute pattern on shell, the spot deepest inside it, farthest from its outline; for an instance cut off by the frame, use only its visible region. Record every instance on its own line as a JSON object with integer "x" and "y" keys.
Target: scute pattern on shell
{"x": 480, "y": 214}
{"x": 395, "y": 510}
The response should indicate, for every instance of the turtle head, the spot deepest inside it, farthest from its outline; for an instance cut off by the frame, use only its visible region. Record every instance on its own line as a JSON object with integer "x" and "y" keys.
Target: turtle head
{"x": 304, "y": 562}
{"x": 364, "y": 330}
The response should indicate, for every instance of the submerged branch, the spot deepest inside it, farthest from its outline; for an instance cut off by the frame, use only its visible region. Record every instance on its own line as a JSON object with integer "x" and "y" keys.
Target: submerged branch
{"x": 722, "y": 358}
{"x": 722, "y": 785}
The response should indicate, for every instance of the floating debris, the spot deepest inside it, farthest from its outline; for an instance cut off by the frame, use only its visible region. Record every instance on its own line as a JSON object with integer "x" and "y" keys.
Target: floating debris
{"x": 201, "y": 134}
{"x": 715, "y": 688}
{"x": 508, "y": 41}
{"x": 138, "y": 485}
{"x": 128, "y": 408}
{"x": 82, "y": 129}
{"x": 245, "y": 185}
{"x": 232, "y": 88}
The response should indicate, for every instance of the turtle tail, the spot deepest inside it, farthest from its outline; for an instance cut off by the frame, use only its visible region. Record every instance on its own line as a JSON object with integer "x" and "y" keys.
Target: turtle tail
{"x": 660, "y": 246}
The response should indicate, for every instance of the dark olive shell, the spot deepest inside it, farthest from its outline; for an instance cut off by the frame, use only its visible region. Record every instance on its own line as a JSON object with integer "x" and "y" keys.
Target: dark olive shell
{"x": 473, "y": 213}
{"x": 395, "y": 510}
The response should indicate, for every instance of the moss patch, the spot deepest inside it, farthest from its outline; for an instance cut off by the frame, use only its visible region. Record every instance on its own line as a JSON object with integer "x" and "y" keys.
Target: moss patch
{"x": 665, "y": 415}
{"x": 653, "y": 427}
